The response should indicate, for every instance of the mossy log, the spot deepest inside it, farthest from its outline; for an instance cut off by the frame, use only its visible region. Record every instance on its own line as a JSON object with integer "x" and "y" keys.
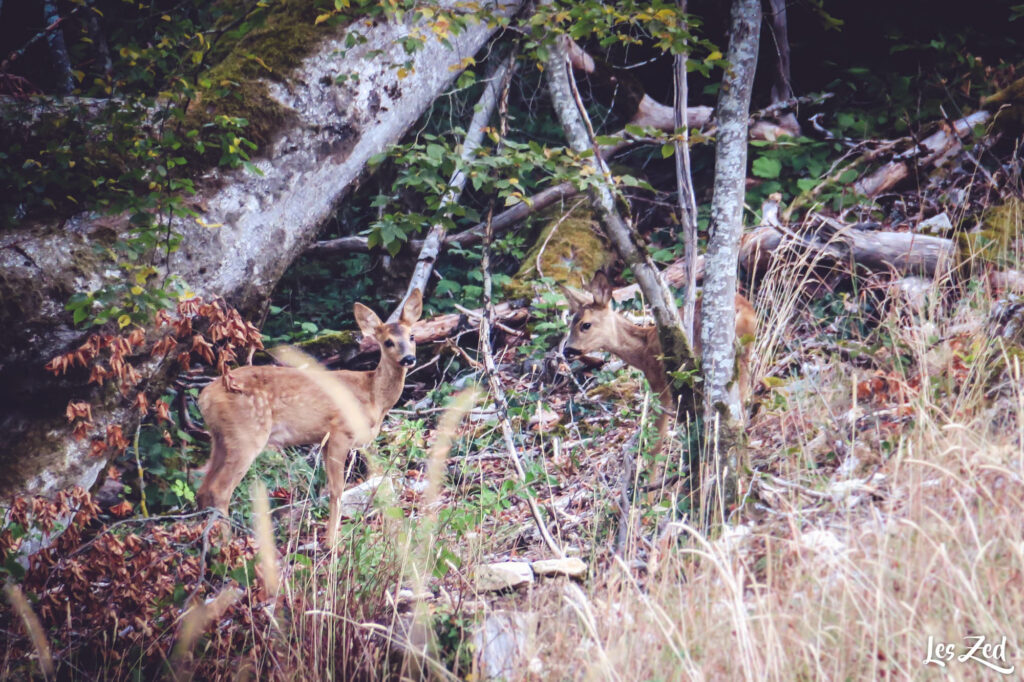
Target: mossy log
{"x": 570, "y": 248}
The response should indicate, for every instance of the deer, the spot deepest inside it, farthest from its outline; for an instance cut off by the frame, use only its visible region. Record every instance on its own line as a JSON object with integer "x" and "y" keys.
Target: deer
{"x": 596, "y": 327}
{"x": 254, "y": 407}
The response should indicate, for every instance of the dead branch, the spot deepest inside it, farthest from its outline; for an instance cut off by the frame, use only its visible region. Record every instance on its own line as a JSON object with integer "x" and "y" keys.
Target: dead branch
{"x": 468, "y": 237}
{"x": 931, "y": 151}
{"x": 474, "y": 136}
{"x": 639, "y": 108}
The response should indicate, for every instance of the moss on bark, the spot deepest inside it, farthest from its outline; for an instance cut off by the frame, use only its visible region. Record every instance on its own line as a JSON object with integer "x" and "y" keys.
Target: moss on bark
{"x": 571, "y": 255}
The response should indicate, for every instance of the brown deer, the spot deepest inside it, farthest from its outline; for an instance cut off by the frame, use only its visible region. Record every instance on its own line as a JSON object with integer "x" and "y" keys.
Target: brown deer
{"x": 596, "y": 327}
{"x": 253, "y": 407}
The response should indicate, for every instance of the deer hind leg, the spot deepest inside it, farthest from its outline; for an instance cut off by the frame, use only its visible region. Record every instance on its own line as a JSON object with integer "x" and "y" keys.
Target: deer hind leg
{"x": 659, "y": 450}
{"x": 338, "y": 447}
{"x": 230, "y": 458}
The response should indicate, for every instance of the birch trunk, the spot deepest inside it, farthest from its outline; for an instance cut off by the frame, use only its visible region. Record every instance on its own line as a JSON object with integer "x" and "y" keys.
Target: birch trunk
{"x": 474, "y": 136}
{"x": 722, "y": 410}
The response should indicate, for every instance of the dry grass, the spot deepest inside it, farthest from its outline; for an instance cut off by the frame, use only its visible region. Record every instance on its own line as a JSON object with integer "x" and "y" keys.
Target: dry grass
{"x": 886, "y": 508}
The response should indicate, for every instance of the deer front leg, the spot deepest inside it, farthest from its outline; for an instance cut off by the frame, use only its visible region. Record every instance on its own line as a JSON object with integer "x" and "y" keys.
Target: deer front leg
{"x": 338, "y": 447}
{"x": 665, "y": 414}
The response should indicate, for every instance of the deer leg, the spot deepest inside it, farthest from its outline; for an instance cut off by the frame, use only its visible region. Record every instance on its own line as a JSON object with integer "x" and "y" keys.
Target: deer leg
{"x": 338, "y": 447}
{"x": 230, "y": 459}
{"x": 662, "y": 423}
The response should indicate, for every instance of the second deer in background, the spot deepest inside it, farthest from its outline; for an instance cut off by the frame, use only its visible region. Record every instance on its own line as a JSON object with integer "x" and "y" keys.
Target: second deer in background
{"x": 595, "y": 326}
{"x": 253, "y": 407}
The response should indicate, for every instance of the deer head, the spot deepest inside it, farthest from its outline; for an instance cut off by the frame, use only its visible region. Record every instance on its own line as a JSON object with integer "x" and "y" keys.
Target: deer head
{"x": 594, "y": 325}
{"x": 397, "y": 344}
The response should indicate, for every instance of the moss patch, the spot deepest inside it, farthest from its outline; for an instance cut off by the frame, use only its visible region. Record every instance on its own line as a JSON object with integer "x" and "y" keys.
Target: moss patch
{"x": 237, "y": 81}
{"x": 571, "y": 255}
{"x": 1008, "y": 105}
{"x": 329, "y": 344}
{"x": 997, "y": 242}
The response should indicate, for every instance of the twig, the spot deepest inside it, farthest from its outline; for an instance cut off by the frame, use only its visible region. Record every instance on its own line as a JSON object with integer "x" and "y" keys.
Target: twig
{"x": 474, "y": 136}
{"x": 627, "y": 474}
{"x": 138, "y": 466}
{"x": 684, "y": 190}
{"x": 476, "y": 316}
{"x": 500, "y": 401}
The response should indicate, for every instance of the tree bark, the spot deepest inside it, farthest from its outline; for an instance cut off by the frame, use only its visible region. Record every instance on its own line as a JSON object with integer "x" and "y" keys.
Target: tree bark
{"x": 782, "y": 83}
{"x": 722, "y": 410}
{"x": 684, "y": 188}
{"x": 267, "y": 220}
{"x": 65, "y": 83}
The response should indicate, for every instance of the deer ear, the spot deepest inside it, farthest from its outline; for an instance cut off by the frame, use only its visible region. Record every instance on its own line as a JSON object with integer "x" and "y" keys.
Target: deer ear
{"x": 367, "y": 320}
{"x": 601, "y": 288}
{"x": 576, "y": 299}
{"x": 413, "y": 307}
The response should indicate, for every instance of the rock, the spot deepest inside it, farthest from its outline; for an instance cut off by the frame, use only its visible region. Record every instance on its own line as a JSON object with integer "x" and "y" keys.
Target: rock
{"x": 503, "y": 643}
{"x": 504, "y": 575}
{"x": 572, "y": 567}
{"x": 407, "y": 598}
{"x": 363, "y": 497}
{"x": 544, "y": 420}
{"x": 937, "y": 224}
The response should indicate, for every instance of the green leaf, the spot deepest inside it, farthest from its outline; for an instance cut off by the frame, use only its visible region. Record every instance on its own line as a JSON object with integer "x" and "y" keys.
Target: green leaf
{"x": 667, "y": 150}
{"x": 847, "y": 176}
{"x": 764, "y": 167}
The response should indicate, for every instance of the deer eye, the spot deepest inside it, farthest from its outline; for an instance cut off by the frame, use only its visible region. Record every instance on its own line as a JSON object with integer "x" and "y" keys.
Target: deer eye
{"x": 412, "y": 338}
{"x": 585, "y": 326}
{"x": 389, "y": 344}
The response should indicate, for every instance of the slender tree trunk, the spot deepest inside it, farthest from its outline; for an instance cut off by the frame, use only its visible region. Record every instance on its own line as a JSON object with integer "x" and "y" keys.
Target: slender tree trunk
{"x": 684, "y": 187}
{"x": 65, "y": 83}
{"x": 722, "y": 410}
{"x": 782, "y": 86}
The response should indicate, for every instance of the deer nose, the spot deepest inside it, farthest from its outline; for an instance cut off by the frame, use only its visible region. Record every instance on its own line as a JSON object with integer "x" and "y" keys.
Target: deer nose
{"x": 571, "y": 352}
{"x": 407, "y": 361}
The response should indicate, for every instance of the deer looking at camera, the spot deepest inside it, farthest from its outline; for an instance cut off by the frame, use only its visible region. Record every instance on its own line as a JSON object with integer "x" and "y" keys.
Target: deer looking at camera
{"x": 253, "y": 407}
{"x": 596, "y": 327}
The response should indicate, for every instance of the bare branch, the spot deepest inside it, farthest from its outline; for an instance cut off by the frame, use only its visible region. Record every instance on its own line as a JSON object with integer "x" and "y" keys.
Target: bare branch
{"x": 474, "y": 136}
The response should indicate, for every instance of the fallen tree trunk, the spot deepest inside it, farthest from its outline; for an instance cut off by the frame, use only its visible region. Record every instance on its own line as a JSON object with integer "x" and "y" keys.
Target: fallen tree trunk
{"x": 267, "y": 220}
{"x": 900, "y": 253}
{"x": 931, "y": 151}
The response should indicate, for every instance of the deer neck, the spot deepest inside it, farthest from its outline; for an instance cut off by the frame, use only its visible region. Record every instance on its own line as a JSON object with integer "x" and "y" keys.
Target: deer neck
{"x": 386, "y": 386}
{"x": 640, "y": 347}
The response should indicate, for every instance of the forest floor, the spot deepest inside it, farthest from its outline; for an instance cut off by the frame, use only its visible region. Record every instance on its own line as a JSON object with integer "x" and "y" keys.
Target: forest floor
{"x": 880, "y": 529}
